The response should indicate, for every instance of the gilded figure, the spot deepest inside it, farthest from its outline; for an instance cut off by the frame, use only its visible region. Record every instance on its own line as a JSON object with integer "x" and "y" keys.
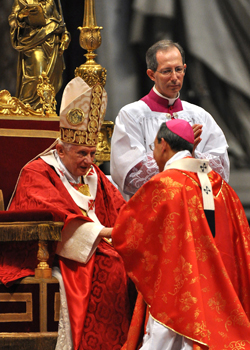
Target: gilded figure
{"x": 39, "y": 34}
{"x": 102, "y": 145}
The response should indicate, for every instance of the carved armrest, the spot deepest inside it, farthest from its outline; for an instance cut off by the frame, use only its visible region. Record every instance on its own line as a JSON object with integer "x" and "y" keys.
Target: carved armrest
{"x": 14, "y": 228}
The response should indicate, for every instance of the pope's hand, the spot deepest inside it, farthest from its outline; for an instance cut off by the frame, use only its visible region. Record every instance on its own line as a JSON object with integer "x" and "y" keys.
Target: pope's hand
{"x": 106, "y": 232}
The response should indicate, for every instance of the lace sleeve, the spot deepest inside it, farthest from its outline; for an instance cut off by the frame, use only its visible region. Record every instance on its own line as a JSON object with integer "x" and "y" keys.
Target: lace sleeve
{"x": 217, "y": 163}
{"x": 140, "y": 174}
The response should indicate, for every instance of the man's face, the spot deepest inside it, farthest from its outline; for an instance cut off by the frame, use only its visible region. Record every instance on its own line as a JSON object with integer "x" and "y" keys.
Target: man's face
{"x": 78, "y": 159}
{"x": 168, "y": 84}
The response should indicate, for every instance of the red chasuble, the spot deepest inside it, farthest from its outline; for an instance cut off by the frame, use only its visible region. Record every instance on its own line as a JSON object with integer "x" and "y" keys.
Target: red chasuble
{"x": 96, "y": 292}
{"x": 193, "y": 283}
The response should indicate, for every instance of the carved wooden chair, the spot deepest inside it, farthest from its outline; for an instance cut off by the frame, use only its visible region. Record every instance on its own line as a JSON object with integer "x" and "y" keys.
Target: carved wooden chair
{"x": 30, "y": 307}
{"x": 29, "y": 311}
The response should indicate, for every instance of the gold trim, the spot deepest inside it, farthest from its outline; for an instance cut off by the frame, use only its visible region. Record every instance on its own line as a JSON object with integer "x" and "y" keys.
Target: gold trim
{"x": 26, "y": 231}
{"x": 32, "y": 223}
{"x": 57, "y": 307}
{"x": 21, "y": 336}
{"x": 43, "y": 306}
{"x": 13, "y": 106}
{"x": 32, "y": 280}
{"x": 87, "y": 137}
{"x": 220, "y": 190}
{"x": 90, "y": 39}
{"x": 17, "y": 317}
{"x": 50, "y": 134}
{"x": 1, "y": 200}
{"x": 44, "y": 119}
{"x": 75, "y": 117}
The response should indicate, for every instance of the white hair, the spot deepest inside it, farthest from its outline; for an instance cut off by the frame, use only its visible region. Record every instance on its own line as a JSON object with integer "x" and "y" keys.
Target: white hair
{"x": 66, "y": 146}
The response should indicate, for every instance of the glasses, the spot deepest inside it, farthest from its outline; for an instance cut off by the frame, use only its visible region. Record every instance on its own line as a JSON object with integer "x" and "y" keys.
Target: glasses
{"x": 152, "y": 146}
{"x": 168, "y": 71}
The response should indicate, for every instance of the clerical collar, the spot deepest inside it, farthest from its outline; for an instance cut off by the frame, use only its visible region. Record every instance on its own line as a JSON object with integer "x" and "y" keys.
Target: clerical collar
{"x": 69, "y": 176}
{"x": 177, "y": 156}
{"x": 158, "y": 103}
{"x": 171, "y": 101}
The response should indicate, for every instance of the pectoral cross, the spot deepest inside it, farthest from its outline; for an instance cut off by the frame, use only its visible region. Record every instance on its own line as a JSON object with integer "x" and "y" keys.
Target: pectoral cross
{"x": 82, "y": 188}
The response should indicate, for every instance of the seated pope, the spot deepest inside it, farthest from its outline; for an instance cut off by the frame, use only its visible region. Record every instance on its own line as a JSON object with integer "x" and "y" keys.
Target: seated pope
{"x": 93, "y": 283}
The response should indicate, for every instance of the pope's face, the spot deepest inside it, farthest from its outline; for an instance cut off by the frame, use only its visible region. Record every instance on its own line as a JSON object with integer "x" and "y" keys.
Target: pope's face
{"x": 168, "y": 84}
{"x": 78, "y": 159}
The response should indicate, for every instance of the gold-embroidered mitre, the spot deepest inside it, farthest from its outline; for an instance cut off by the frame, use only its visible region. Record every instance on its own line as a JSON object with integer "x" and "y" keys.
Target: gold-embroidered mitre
{"x": 82, "y": 112}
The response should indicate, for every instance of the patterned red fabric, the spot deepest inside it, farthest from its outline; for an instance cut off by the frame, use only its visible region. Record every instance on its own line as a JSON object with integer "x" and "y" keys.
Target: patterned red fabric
{"x": 137, "y": 325}
{"x": 88, "y": 286}
{"x": 106, "y": 318}
{"x": 194, "y": 284}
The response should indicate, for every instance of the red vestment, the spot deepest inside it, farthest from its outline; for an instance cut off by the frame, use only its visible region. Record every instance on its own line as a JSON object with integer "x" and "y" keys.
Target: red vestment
{"x": 193, "y": 283}
{"x": 96, "y": 292}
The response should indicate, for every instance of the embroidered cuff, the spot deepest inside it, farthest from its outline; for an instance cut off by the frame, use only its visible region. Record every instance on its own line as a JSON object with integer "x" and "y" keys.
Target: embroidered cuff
{"x": 79, "y": 241}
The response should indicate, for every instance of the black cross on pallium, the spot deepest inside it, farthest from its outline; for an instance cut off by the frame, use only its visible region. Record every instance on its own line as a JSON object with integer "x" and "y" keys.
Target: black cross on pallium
{"x": 206, "y": 190}
{"x": 203, "y": 167}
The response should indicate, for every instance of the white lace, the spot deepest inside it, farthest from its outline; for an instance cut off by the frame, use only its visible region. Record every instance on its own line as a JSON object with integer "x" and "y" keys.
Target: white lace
{"x": 140, "y": 174}
{"x": 147, "y": 168}
{"x": 216, "y": 163}
{"x": 64, "y": 339}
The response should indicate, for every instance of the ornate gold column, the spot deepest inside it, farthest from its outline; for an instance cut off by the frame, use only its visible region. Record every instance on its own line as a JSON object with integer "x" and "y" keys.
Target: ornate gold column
{"x": 90, "y": 40}
{"x": 93, "y": 73}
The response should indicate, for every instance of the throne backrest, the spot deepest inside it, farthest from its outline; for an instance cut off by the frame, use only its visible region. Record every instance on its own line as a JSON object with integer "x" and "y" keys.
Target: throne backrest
{"x": 21, "y": 139}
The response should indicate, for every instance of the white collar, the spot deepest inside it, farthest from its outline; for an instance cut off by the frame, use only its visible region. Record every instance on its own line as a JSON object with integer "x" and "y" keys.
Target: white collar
{"x": 177, "y": 156}
{"x": 71, "y": 178}
{"x": 83, "y": 201}
{"x": 171, "y": 101}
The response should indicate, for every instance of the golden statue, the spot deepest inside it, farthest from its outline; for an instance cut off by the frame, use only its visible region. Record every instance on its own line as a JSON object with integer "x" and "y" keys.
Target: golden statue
{"x": 39, "y": 34}
{"x": 102, "y": 145}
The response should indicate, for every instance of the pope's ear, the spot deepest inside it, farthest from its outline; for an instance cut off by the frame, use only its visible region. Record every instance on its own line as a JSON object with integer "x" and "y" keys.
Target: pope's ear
{"x": 151, "y": 74}
{"x": 60, "y": 149}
